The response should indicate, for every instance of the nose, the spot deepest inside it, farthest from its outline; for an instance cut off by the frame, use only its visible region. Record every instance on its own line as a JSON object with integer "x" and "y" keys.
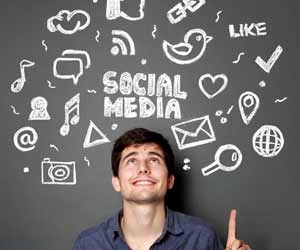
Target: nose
{"x": 143, "y": 168}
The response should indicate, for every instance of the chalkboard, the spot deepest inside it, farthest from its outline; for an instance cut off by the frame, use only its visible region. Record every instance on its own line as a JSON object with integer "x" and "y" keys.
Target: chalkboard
{"x": 219, "y": 79}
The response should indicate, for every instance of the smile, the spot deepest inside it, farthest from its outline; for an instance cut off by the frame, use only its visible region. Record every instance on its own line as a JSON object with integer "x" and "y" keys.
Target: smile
{"x": 143, "y": 182}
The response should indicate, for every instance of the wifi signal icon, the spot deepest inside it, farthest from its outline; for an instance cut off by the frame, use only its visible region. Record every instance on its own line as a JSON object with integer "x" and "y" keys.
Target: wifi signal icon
{"x": 120, "y": 45}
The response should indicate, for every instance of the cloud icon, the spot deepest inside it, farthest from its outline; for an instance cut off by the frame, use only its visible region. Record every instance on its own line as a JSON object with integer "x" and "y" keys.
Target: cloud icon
{"x": 64, "y": 18}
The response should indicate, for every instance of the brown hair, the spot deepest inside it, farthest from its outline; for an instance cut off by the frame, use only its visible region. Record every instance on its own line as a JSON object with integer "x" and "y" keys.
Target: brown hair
{"x": 138, "y": 136}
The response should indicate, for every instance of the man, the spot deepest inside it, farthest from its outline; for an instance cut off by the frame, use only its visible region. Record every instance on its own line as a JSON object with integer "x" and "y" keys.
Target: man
{"x": 143, "y": 172}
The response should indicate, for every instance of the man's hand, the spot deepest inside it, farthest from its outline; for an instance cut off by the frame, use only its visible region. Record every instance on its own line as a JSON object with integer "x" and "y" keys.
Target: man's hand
{"x": 232, "y": 242}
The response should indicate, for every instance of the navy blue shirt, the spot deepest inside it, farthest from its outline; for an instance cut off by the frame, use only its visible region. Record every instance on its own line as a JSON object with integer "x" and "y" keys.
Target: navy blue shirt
{"x": 181, "y": 232}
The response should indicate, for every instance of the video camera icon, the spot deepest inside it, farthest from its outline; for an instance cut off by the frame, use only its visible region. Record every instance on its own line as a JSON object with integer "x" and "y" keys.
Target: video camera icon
{"x": 73, "y": 59}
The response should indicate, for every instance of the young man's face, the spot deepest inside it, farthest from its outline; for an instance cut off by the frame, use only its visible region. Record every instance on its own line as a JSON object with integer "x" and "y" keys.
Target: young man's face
{"x": 143, "y": 175}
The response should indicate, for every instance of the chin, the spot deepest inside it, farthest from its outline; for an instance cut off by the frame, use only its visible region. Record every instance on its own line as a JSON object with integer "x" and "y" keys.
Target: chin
{"x": 146, "y": 199}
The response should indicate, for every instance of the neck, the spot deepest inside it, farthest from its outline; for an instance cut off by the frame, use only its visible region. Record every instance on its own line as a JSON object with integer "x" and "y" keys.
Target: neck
{"x": 143, "y": 222}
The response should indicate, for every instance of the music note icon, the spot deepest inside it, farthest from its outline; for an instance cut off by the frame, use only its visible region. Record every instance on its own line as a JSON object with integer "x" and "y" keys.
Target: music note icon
{"x": 18, "y": 84}
{"x": 71, "y": 106}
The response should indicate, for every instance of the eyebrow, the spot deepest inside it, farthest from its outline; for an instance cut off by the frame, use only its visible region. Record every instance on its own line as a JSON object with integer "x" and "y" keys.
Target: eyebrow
{"x": 149, "y": 153}
{"x": 128, "y": 155}
{"x": 157, "y": 154}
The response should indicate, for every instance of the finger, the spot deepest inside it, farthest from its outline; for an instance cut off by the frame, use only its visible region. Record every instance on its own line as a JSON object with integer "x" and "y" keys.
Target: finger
{"x": 236, "y": 245}
{"x": 247, "y": 247}
{"x": 231, "y": 227}
{"x": 243, "y": 245}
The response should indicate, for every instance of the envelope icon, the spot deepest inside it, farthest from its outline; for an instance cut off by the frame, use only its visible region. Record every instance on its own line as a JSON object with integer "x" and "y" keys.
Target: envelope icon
{"x": 194, "y": 132}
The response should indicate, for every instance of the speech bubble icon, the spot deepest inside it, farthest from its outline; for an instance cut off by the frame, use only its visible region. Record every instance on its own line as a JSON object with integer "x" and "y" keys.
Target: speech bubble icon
{"x": 71, "y": 58}
{"x": 63, "y": 62}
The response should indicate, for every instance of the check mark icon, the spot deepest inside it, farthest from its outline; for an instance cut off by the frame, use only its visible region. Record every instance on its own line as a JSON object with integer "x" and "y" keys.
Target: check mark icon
{"x": 267, "y": 66}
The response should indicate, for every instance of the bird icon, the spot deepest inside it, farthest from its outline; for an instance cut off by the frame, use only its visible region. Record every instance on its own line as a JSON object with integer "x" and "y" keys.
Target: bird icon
{"x": 189, "y": 51}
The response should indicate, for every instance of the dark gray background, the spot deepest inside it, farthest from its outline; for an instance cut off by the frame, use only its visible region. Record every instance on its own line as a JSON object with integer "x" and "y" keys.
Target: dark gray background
{"x": 264, "y": 190}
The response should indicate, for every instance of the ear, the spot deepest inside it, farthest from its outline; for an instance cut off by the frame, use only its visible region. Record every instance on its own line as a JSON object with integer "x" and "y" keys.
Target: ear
{"x": 116, "y": 183}
{"x": 171, "y": 180}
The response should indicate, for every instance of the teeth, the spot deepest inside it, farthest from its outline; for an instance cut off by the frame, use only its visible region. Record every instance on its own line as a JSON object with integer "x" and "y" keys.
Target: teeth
{"x": 144, "y": 182}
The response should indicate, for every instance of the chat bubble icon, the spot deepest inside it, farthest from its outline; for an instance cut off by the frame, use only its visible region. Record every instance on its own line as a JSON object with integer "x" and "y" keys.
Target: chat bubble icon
{"x": 60, "y": 63}
{"x": 74, "y": 62}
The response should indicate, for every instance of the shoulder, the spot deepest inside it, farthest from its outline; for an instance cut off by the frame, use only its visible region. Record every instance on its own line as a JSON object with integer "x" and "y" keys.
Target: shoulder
{"x": 193, "y": 224}
{"x": 101, "y": 233}
{"x": 194, "y": 232}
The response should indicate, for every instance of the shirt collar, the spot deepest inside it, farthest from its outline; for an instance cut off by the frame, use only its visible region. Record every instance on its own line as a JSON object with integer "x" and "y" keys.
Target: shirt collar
{"x": 115, "y": 225}
{"x": 172, "y": 224}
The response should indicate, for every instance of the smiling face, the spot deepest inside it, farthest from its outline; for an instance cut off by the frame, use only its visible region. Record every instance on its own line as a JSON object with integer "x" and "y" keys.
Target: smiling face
{"x": 143, "y": 175}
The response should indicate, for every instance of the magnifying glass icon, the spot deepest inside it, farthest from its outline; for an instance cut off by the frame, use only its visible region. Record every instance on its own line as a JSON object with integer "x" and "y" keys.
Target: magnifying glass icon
{"x": 236, "y": 159}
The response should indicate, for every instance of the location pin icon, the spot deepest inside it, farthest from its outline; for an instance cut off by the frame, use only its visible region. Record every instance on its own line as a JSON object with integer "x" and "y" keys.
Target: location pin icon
{"x": 248, "y": 105}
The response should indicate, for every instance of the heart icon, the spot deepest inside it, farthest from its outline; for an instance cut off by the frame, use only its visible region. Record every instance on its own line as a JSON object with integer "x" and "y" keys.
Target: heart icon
{"x": 217, "y": 83}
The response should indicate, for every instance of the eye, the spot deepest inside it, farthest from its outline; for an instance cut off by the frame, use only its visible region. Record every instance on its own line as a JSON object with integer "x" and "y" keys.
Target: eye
{"x": 198, "y": 38}
{"x": 154, "y": 160}
{"x": 131, "y": 161}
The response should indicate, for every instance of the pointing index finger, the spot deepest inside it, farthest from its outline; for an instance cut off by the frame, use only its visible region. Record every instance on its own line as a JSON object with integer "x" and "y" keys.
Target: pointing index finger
{"x": 231, "y": 227}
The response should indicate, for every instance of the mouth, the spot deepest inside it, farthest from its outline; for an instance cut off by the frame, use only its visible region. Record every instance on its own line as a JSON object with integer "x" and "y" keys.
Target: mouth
{"x": 143, "y": 182}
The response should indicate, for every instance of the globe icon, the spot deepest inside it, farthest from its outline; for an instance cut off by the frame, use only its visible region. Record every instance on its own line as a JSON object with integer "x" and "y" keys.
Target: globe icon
{"x": 268, "y": 141}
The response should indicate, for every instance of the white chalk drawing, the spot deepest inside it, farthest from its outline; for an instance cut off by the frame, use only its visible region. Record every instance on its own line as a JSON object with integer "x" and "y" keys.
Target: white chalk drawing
{"x": 45, "y": 45}
{"x": 14, "y": 110}
{"x": 144, "y": 61}
{"x": 25, "y": 139}
{"x": 87, "y": 140}
{"x": 179, "y": 11}
{"x": 223, "y": 120}
{"x": 72, "y": 114}
{"x": 87, "y": 161}
{"x": 154, "y": 31}
{"x": 95, "y": 1}
{"x": 217, "y": 82}
{"x": 58, "y": 172}
{"x": 218, "y": 16}
{"x": 246, "y": 30}
{"x": 189, "y": 51}
{"x": 239, "y": 57}
{"x": 193, "y": 133}
{"x": 235, "y": 161}
{"x": 114, "y": 126}
{"x": 268, "y": 141}
{"x": 26, "y": 169}
{"x": 50, "y": 85}
{"x": 248, "y": 104}
{"x": 120, "y": 44}
{"x": 155, "y": 87}
{"x": 280, "y": 100}
{"x": 230, "y": 109}
{"x": 267, "y": 66}
{"x": 71, "y": 57}
{"x": 186, "y": 167}
{"x": 97, "y": 36}
{"x": 262, "y": 84}
{"x": 92, "y": 91}
{"x": 219, "y": 113}
{"x": 53, "y": 146}
{"x": 39, "y": 109}
{"x": 113, "y": 10}
{"x": 55, "y": 23}
{"x": 18, "y": 84}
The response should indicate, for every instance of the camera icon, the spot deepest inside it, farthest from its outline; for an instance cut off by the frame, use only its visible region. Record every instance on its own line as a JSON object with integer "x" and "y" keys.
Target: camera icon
{"x": 59, "y": 173}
